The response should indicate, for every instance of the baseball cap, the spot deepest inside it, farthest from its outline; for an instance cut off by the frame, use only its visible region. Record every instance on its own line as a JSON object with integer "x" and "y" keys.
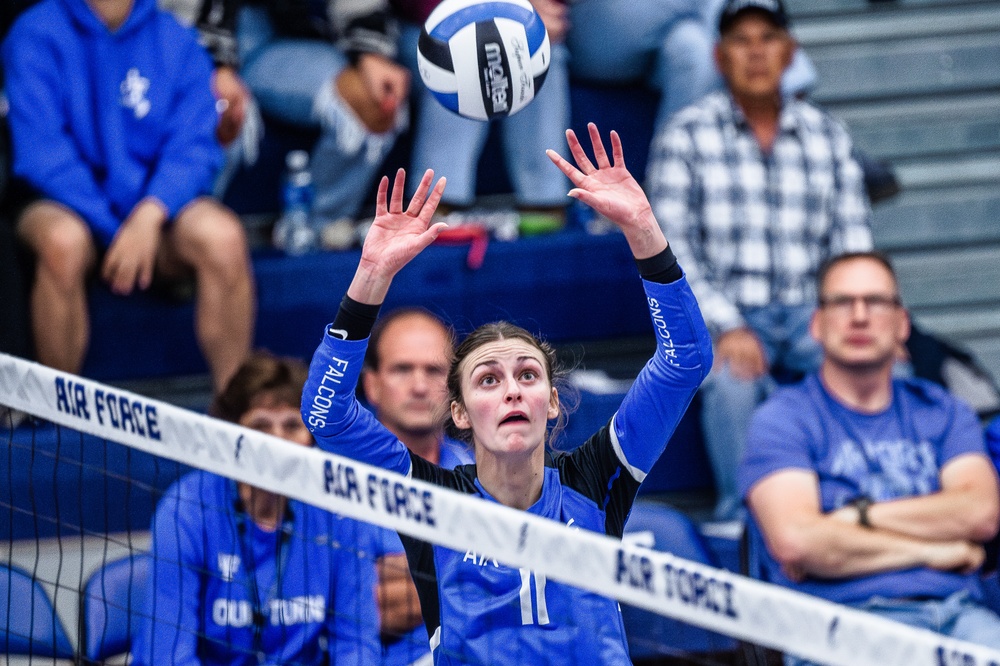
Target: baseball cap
{"x": 733, "y": 8}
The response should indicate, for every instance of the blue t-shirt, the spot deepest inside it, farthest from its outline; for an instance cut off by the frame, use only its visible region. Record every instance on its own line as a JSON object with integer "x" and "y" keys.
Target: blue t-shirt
{"x": 993, "y": 441}
{"x": 896, "y": 453}
{"x": 223, "y": 590}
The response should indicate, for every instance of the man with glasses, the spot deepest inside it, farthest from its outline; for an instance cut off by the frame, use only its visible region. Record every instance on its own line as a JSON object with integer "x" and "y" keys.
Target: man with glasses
{"x": 756, "y": 190}
{"x": 871, "y": 490}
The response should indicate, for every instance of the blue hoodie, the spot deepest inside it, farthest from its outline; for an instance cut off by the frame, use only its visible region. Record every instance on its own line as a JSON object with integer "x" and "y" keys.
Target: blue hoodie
{"x": 310, "y": 585}
{"x": 101, "y": 120}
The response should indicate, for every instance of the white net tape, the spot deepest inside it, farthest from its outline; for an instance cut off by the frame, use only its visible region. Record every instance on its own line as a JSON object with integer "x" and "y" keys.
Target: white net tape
{"x": 694, "y": 593}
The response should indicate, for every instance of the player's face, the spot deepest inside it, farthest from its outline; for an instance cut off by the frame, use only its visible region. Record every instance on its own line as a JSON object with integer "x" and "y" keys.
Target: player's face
{"x": 860, "y": 323}
{"x": 752, "y": 56}
{"x": 508, "y": 398}
{"x": 409, "y": 389}
{"x": 280, "y": 420}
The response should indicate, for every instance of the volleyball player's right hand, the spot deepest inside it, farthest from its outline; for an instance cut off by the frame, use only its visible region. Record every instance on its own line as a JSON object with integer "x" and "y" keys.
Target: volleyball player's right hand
{"x": 396, "y": 235}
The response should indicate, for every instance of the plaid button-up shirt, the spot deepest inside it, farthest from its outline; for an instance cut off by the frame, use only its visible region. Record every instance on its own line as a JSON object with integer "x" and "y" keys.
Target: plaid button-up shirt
{"x": 751, "y": 228}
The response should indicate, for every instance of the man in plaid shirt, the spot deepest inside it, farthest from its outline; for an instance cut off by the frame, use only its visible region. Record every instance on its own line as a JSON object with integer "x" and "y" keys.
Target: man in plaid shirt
{"x": 755, "y": 191}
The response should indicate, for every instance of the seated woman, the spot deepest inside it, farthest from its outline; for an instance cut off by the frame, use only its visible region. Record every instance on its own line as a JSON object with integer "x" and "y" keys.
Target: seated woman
{"x": 245, "y": 576}
{"x": 502, "y": 398}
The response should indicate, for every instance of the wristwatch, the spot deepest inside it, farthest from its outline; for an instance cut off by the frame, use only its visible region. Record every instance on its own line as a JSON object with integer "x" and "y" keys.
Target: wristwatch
{"x": 862, "y": 503}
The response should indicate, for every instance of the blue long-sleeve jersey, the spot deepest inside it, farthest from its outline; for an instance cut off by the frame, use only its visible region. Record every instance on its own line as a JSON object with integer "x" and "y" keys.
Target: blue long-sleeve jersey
{"x": 102, "y": 119}
{"x": 476, "y": 610}
{"x": 223, "y": 591}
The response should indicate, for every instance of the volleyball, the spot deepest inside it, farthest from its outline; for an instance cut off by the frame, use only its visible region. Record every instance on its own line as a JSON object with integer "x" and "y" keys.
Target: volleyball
{"x": 483, "y": 59}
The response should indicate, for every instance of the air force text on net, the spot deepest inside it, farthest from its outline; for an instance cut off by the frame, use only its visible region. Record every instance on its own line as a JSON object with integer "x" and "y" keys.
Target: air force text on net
{"x": 107, "y": 408}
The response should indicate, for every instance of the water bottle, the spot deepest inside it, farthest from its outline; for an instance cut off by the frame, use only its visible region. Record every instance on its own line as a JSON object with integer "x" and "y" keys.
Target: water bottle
{"x": 292, "y": 232}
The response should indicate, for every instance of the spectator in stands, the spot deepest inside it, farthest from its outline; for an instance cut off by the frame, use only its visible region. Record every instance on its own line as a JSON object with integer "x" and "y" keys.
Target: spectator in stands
{"x": 215, "y": 23}
{"x": 113, "y": 131}
{"x": 755, "y": 190}
{"x": 329, "y": 65}
{"x": 798, "y": 80}
{"x": 229, "y": 557}
{"x": 405, "y": 382}
{"x": 663, "y": 44}
{"x": 870, "y": 490}
{"x": 239, "y": 117}
{"x": 452, "y": 145}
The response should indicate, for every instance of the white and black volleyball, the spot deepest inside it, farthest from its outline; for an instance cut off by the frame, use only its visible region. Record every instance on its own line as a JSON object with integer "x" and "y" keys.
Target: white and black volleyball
{"x": 484, "y": 59}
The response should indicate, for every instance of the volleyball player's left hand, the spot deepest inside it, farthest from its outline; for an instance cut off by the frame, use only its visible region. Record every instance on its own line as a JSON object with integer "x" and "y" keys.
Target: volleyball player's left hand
{"x": 397, "y": 235}
{"x": 607, "y": 187}
{"x": 611, "y": 190}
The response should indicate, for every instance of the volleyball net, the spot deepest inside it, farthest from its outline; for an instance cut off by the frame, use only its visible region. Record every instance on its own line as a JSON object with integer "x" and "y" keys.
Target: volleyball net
{"x": 107, "y": 456}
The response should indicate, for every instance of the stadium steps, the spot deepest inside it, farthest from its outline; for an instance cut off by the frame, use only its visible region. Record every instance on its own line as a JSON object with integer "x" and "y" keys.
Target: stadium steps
{"x": 918, "y": 84}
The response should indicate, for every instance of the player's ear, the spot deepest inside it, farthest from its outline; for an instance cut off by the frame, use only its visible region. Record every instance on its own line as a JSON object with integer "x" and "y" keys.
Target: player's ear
{"x": 459, "y": 415}
{"x": 553, "y": 411}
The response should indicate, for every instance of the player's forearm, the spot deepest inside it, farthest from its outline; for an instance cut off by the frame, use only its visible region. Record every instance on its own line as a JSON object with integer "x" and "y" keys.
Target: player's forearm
{"x": 646, "y": 239}
{"x": 370, "y": 285}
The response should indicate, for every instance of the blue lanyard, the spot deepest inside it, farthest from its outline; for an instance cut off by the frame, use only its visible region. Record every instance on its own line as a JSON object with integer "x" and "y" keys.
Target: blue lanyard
{"x": 258, "y": 603}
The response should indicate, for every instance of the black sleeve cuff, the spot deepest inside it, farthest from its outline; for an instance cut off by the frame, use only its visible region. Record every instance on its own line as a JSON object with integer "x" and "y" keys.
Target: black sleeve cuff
{"x": 355, "y": 319}
{"x": 662, "y": 268}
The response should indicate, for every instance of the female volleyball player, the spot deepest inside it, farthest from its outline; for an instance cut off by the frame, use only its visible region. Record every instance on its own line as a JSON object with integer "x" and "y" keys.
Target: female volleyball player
{"x": 242, "y": 575}
{"x": 477, "y": 611}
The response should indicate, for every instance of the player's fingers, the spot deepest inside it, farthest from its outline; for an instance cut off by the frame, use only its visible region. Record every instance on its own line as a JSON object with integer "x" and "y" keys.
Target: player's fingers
{"x": 584, "y": 196}
{"x": 430, "y": 235}
{"x": 574, "y": 174}
{"x": 582, "y": 161}
{"x": 616, "y": 150}
{"x": 396, "y": 198}
{"x": 595, "y": 140}
{"x": 380, "y": 200}
{"x": 418, "y": 197}
{"x": 430, "y": 206}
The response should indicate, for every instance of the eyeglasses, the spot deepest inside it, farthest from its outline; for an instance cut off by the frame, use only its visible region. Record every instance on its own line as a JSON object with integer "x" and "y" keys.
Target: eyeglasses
{"x": 875, "y": 304}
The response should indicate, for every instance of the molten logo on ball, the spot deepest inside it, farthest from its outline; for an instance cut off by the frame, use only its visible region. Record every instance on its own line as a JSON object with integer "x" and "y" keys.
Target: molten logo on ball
{"x": 483, "y": 59}
{"x": 495, "y": 81}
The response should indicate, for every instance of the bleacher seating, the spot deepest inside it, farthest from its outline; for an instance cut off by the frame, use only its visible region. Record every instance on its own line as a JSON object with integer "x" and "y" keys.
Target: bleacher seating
{"x": 112, "y": 606}
{"x": 28, "y": 622}
{"x": 918, "y": 83}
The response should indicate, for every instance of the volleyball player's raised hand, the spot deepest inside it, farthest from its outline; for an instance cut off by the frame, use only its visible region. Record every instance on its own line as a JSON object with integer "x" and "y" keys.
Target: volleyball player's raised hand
{"x": 396, "y": 235}
{"x": 611, "y": 190}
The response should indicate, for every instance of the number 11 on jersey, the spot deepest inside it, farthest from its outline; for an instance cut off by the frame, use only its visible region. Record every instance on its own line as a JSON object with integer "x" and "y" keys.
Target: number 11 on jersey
{"x": 527, "y": 616}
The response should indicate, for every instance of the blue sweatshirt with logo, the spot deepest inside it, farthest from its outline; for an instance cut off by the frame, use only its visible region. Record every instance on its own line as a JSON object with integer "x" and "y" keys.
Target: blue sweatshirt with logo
{"x": 223, "y": 591}
{"x": 101, "y": 120}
